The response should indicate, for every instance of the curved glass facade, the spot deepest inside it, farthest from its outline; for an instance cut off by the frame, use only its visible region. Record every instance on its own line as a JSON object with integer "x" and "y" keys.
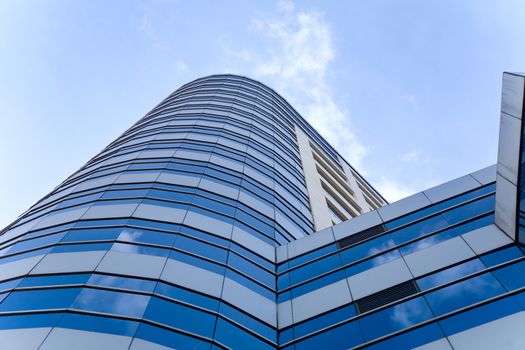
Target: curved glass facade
{"x": 196, "y": 229}
{"x": 168, "y": 234}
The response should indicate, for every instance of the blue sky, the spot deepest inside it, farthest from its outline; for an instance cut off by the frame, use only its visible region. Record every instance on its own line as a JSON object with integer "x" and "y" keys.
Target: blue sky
{"x": 407, "y": 91}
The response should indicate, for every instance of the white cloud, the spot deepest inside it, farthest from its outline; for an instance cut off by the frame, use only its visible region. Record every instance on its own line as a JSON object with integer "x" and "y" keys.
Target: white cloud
{"x": 393, "y": 190}
{"x": 411, "y": 157}
{"x": 180, "y": 66}
{"x": 298, "y": 56}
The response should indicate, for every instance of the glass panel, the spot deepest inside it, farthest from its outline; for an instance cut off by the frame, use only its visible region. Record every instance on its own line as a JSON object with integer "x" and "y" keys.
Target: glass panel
{"x": 122, "y": 282}
{"x": 236, "y": 338}
{"x": 33, "y": 281}
{"x": 39, "y": 299}
{"x": 480, "y": 315}
{"x": 180, "y": 316}
{"x": 395, "y": 318}
{"x": 325, "y": 320}
{"x": 464, "y": 293}
{"x": 169, "y": 338}
{"x": 29, "y": 321}
{"x": 187, "y": 296}
{"x": 411, "y": 339}
{"x": 98, "y": 324}
{"x": 450, "y": 274}
{"x": 341, "y": 337}
{"x": 512, "y": 277}
{"x": 119, "y": 303}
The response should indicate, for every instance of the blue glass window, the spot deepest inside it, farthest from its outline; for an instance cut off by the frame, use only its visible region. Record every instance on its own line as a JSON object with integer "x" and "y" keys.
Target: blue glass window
{"x": 92, "y": 234}
{"x": 250, "y": 269}
{"x": 373, "y": 246}
{"x": 147, "y": 236}
{"x": 65, "y": 248}
{"x": 513, "y": 276}
{"x": 9, "y": 284}
{"x": 35, "y": 243}
{"x": 411, "y": 339}
{"x": 464, "y": 293}
{"x": 501, "y": 256}
{"x": 314, "y": 269}
{"x": 180, "y": 316}
{"x": 236, "y": 338}
{"x": 39, "y": 299}
{"x": 201, "y": 248}
{"x": 33, "y": 281}
{"x": 140, "y": 249}
{"x": 395, "y": 318}
{"x": 29, "y": 321}
{"x": 325, "y": 320}
{"x": 249, "y": 322}
{"x": 317, "y": 283}
{"x": 440, "y": 206}
{"x": 122, "y": 282}
{"x": 256, "y": 287}
{"x": 195, "y": 261}
{"x": 169, "y": 338}
{"x": 447, "y": 234}
{"x": 98, "y": 324}
{"x": 450, "y": 274}
{"x": 480, "y": 315}
{"x": 118, "y": 303}
{"x": 187, "y": 296}
{"x": 371, "y": 263}
{"x": 342, "y": 337}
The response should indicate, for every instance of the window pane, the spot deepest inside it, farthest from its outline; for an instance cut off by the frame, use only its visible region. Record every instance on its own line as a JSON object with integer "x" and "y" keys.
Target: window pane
{"x": 395, "y": 318}
{"x": 464, "y": 293}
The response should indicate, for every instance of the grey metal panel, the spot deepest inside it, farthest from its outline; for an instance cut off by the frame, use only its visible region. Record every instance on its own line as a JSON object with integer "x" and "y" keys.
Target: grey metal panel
{"x": 132, "y": 264}
{"x": 451, "y": 188}
{"x": 357, "y": 224}
{"x": 178, "y": 179}
{"x": 321, "y": 300}
{"x": 508, "y": 148}
{"x": 98, "y": 182}
{"x": 250, "y": 301}
{"x": 192, "y": 277}
{"x": 512, "y": 94}
{"x": 110, "y": 211}
{"x": 403, "y": 206}
{"x": 253, "y": 243}
{"x": 23, "y": 339}
{"x": 131, "y": 177}
{"x": 438, "y": 256}
{"x": 222, "y": 189}
{"x": 61, "y": 217}
{"x": 159, "y": 212}
{"x": 440, "y": 344}
{"x": 281, "y": 253}
{"x": 504, "y": 333}
{"x": 69, "y": 262}
{"x": 156, "y": 153}
{"x": 311, "y": 242}
{"x": 284, "y": 314}
{"x": 378, "y": 278}
{"x": 506, "y": 201}
{"x": 139, "y": 344}
{"x": 486, "y": 238}
{"x": 18, "y": 231}
{"x": 208, "y": 224}
{"x": 68, "y": 339}
{"x": 485, "y": 175}
{"x": 18, "y": 267}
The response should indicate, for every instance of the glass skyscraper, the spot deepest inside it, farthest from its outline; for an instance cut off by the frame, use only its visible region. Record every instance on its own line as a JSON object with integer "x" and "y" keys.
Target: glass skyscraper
{"x": 222, "y": 219}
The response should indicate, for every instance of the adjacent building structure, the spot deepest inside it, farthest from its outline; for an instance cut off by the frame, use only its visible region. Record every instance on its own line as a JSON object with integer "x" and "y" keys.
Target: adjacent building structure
{"x": 221, "y": 219}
